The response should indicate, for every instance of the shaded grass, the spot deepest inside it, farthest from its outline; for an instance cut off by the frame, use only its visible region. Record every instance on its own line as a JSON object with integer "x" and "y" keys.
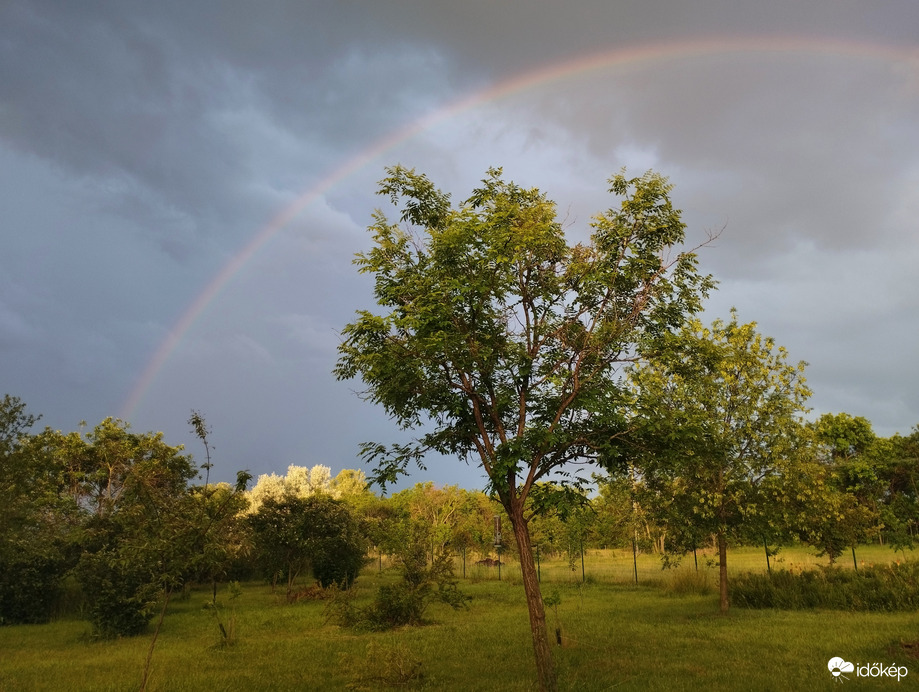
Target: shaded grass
{"x": 614, "y": 636}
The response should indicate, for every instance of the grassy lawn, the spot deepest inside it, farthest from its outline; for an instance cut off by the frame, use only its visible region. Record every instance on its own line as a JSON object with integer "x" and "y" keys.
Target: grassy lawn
{"x": 614, "y": 636}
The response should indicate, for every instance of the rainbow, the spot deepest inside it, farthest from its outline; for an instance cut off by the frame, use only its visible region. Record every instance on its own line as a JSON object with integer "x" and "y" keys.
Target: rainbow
{"x": 624, "y": 57}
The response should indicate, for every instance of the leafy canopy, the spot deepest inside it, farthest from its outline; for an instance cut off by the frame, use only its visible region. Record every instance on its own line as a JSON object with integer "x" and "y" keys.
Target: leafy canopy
{"x": 498, "y": 338}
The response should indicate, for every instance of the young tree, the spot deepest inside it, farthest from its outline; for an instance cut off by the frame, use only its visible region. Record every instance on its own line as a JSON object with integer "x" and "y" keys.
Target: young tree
{"x": 717, "y": 418}
{"x": 504, "y": 342}
{"x": 850, "y": 462}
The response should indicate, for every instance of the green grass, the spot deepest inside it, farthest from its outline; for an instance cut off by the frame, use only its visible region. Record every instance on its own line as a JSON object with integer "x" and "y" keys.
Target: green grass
{"x": 615, "y": 636}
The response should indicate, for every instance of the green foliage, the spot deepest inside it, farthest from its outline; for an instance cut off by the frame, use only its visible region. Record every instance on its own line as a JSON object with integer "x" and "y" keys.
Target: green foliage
{"x": 338, "y": 548}
{"x": 879, "y": 588}
{"x": 502, "y": 335}
{"x": 31, "y": 583}
{"x": 38, "y": 523}
{"x": 295, "y": 533}
{"x": 405, "y": 602}
{"x": 717, "y": 426}
{"x": 504, "y": 342}
{"x": 120, "y": 594}
{"x": 142, "y": 539}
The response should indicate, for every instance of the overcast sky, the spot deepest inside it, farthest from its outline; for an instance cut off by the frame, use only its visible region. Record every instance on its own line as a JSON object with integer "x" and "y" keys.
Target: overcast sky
{"x": 183, "y": 186}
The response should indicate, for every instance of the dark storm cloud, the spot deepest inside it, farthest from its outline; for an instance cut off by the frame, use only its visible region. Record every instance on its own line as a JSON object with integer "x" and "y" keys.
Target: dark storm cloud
{"x": 143, "y": 144}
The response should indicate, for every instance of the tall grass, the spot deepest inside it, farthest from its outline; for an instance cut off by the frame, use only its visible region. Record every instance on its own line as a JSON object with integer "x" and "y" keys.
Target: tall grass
{"x": 882, "y": 588}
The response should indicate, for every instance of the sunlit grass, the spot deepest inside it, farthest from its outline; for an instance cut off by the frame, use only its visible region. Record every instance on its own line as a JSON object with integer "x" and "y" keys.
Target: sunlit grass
{"x": 614, "y": 635}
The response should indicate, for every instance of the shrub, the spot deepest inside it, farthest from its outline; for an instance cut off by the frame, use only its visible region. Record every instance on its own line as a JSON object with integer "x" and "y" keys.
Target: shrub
{"x": 880, "y": 588}
{"x": 120, "y": 598}
{"x": 405, "y": 602}
{"x": 30, "y": 586}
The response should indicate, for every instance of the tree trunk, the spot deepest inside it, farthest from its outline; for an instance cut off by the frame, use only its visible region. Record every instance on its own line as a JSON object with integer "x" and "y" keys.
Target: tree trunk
{"x": 545, "y": 666}
{"x": 723, "y": 571}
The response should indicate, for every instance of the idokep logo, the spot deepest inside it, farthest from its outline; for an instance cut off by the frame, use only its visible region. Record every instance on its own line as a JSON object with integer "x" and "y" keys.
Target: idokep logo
{"x": 838, "y": 666}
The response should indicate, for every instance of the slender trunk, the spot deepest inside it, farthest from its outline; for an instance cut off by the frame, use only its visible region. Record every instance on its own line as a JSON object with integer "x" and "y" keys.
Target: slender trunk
{"x": 545, "y": 666}
{"x": 723, "y": 570}
{"x": 156, "y": 634}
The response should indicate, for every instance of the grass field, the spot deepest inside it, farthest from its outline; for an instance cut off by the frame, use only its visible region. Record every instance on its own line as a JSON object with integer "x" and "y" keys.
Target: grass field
{"x": 615, "y": 635}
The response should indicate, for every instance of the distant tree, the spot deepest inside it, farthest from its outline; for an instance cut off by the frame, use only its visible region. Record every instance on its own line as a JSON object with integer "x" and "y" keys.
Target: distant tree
{"x": 438, "y": 510}
{"x": 620, "y": 518}
{"x": 337, "y": 546}
{"x": 349, "y": 484}
{"x": 900, "y": 503}
{"x": 504, "y": 342}
{"x": 300, "y": 481}
{"x": 219, "y": 530}
{"x": 718, "y": 412}
{"x": 848, "y": 454}
{"x": 318, "y": 533}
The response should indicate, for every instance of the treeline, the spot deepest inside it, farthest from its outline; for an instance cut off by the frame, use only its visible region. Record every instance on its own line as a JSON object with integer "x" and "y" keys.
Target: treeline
{"x": 113, "y": 523}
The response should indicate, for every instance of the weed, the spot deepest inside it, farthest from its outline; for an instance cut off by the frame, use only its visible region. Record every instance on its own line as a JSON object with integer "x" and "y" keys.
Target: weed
{"x": 686, "y": 581}
{"x": 225, "y": 616}
{"x": 383, "y": 666}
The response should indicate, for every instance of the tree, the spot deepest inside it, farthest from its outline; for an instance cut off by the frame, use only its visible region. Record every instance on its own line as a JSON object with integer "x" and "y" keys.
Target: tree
{"x": 505, "y": 343}
{"x": 337, "y": 546}
{"x": 38, "y": 523}
{"x": 142, "y": 533}
{"x": 293, "y": 534}
{"x": 900, "y": 508}
{"x": 718, "y": 412}
{"x": 438, "y": 510}
{"x": 849, "y": 455}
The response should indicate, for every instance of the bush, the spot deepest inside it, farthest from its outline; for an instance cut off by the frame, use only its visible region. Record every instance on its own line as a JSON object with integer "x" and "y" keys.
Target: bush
{"x": 405, "y": 602}
{"x": 881, "y": 588}
{"x": 30, "y": 584}
{"x": 120, "y": 599}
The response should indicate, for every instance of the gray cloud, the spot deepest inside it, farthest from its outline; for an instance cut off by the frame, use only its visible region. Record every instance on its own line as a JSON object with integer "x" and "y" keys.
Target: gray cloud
{"x": 143, "y": 145}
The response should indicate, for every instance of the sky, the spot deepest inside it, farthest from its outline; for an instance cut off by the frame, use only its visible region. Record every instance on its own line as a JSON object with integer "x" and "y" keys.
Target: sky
{"x": 184, "y": 185}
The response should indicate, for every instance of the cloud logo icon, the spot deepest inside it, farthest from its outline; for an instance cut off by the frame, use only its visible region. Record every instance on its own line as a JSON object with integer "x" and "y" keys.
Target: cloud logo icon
{"x": 838, "y": 666}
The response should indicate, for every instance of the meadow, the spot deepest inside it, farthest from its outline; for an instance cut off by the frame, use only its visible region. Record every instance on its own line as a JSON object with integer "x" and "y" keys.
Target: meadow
{"x": 663, "y": 634}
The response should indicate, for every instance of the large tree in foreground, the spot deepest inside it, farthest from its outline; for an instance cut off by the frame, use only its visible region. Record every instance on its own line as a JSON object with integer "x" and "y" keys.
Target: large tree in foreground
{"x": 503, "y": 344}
